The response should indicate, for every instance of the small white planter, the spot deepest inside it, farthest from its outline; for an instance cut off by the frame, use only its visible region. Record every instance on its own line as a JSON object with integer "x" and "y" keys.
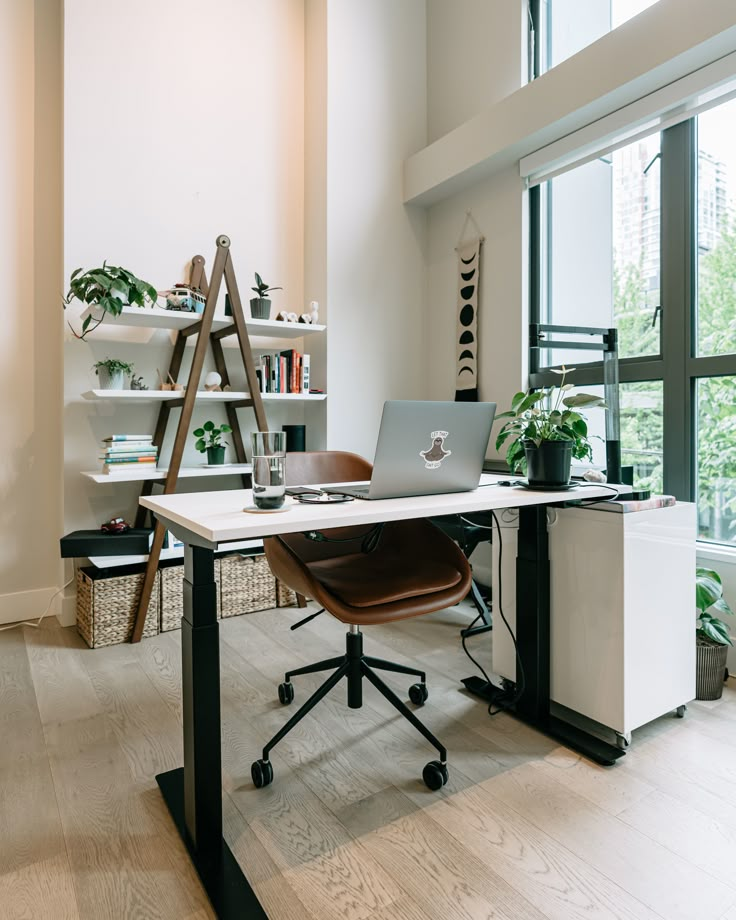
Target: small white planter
{"x": 110, "y": 381}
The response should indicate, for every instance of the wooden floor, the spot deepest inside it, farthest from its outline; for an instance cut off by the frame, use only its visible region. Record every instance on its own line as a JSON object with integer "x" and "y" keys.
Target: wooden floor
{"x": 523, "y": 831}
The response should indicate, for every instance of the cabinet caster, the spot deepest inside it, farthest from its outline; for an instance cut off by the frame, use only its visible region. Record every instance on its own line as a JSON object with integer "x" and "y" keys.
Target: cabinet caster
{"x": 286, "y": 693}
{"x": 435, "y": 775}
{"x": 418, "y": 694}
{"x": 680, "y": 711}
{"x": 623, "y": 741}
{"x": 261, "y": 772}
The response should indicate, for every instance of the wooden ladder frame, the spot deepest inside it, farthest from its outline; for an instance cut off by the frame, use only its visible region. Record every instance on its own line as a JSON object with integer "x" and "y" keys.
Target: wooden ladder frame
{"x": 221, "y": 268}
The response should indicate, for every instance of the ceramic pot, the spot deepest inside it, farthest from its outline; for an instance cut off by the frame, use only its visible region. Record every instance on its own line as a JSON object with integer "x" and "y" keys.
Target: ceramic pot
{"x": 548, "y": 464}
{"x": 110, "y": 381}
{"x": 710, "y": 671}
{"x": 260, "y": 307}
{"x": 215, "y": 455}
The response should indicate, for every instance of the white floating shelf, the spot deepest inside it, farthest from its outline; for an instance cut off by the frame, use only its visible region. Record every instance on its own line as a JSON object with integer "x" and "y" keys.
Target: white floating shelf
{"x": 141, "y": 396}
{"x": 176, "y": 552}
{"x": 158, "y": 318}
{"x": 186, "y": 472}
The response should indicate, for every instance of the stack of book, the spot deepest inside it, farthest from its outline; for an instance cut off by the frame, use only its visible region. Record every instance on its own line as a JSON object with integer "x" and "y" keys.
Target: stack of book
{"x": 125, "y": 452}
{"x": 283, "y": 372}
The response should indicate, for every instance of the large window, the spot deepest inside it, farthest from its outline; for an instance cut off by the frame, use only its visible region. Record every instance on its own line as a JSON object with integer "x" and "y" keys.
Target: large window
{"x": 644, "y": 239}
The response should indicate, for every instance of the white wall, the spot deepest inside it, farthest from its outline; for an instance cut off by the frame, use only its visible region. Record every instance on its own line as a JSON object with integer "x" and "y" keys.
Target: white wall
{"x": 474, "y": 51}
{"x": 30, "y": 266}
{"x": 203, "y": 134}
{"x": 372, "y": 264}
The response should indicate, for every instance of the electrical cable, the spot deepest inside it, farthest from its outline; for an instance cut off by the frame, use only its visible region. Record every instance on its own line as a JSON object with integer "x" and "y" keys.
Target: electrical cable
{"x": 502, "y": 701}
{"x": 369, "y": 540}
{"x": 43, "y": 615}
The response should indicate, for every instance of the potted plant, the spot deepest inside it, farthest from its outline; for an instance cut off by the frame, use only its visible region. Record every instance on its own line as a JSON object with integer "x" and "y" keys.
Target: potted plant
{"x": 260, "y": 306}
{"x": 209, "y": 441}
{"x": 108, "y": 289}
{"x": 546, "y": 431}
{"x": 712, "y": 635}
{"x": 112, "y": 372}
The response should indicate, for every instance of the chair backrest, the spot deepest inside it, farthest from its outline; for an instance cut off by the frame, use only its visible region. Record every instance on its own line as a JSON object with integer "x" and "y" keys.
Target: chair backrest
{"x": 324, "y": 466}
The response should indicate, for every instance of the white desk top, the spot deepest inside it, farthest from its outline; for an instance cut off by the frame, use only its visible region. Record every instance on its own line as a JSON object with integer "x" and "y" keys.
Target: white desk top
{"x": 218, "y": 517}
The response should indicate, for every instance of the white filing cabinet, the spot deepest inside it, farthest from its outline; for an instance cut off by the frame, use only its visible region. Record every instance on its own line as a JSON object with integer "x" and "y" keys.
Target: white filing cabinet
{"x": 622, "y": 611}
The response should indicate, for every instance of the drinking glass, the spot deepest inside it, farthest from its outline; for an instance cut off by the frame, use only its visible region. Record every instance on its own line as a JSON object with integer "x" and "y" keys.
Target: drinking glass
{"x": 269, "y": 468}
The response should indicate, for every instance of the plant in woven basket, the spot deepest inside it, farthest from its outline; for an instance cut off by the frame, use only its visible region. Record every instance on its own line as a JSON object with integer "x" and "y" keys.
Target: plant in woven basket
{"x": 710, "y": 630}
{"x": 210, "y": 441}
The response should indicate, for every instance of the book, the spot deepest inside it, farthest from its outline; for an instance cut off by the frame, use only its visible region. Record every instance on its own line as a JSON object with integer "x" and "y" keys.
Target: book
{"x": 136, "y": 451}
{"x": 121, "y": 446}
{"x": 128, "y": 461}
{"x": 305, "y": 373}
{"x": 129, "y": 437}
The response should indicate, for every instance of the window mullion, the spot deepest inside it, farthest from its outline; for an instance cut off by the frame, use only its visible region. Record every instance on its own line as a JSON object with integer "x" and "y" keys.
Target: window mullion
{"x": 677, "y": 236}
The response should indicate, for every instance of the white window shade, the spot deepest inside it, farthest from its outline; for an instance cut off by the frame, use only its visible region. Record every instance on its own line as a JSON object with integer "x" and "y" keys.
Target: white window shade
{"x": 678, "y": 101}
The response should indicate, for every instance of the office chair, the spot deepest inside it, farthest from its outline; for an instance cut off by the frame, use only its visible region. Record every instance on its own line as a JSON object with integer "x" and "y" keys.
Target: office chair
{"x": 363, "y": 576}
{"x": 468, "y": 531}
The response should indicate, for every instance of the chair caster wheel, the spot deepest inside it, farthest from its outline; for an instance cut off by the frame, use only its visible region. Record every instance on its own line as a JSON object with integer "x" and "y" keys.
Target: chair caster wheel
{"x": 261, "y": 772}
{"x": 435, "y": 775}
{"x": 680, "y": 711}
{"x": 418, "y": 694}
{"x": 286, "y": 693}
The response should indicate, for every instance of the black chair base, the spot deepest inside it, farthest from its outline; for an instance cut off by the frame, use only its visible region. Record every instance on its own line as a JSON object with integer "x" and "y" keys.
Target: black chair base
{"x": 484, "y": 612}
{"x": 354, "y": 666}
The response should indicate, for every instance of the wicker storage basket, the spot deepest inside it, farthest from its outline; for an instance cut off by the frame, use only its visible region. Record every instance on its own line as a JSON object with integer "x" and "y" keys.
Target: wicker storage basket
{"x": 246, "y": 585}
{"x": 285, "y": 597}
{"x": 172, "y": 595}
{"x": 106, "y": 606}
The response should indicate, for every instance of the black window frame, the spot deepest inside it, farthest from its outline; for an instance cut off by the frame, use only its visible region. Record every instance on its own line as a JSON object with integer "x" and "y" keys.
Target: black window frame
{"x": 678, "y": 366}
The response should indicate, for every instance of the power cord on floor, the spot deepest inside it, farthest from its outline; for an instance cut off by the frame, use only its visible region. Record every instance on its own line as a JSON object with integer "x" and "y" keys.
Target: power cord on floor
{"x": 43, "y": 615}
{"x": 504, "y": 699}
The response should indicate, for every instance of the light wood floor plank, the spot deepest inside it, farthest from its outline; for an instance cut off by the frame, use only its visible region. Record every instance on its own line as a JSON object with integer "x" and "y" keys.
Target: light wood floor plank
{"x": 656, "y": 876}
{"x": 42, "y": 889}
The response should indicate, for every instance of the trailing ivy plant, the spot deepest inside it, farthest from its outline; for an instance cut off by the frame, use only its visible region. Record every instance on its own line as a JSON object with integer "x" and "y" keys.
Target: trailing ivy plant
{"x": 209, "y": 435}
{"x": 109, "y": 289}
{"x": 709, "y": 596}
{"x": 547, "y": 415}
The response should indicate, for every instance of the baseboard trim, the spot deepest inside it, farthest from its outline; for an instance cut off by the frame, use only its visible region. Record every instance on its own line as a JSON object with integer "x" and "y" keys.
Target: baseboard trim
{"x": 26, "y": 605}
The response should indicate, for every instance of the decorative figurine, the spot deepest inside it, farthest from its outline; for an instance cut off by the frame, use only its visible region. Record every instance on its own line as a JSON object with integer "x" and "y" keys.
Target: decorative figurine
{"x": 172, "y": 385}
{"x": 212, "y": 382}
{"x": 314, "y": 311}
{"x": 115, "y": 526}
{"x": 136, "y": 383}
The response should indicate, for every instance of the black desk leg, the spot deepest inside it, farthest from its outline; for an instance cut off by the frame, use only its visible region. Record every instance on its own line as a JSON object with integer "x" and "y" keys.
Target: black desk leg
{"x": 533, "y": 641}
{"x": 193, "y": 793}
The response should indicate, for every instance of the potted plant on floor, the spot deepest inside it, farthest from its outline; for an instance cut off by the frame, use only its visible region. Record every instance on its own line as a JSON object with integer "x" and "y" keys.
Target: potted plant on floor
{"x": 112, "y": 373}
{"x": 712, "y": 635}
{"x": 108, "y": 289}
{"x": 546, "y": 431}
{"x": 209, "y": 441}
{"x": 260, "y": 306}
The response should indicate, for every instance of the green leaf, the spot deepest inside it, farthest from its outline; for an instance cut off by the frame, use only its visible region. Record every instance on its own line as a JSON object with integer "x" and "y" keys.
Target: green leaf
{"x": 529, "y": 400}
{"x": 509, "y": 414}
{"x": 198, "y": 432}
{"x": 722, "y": 607}
{"x": 517, "y": 400}
{"x": 201, "y": 446}
{"x": 225, "y": 428}
{"x": 74, "y": 274}
{"x": 209, "y": 426}
{"x": 707, "y": 591}
{"x": 85, "y": 324}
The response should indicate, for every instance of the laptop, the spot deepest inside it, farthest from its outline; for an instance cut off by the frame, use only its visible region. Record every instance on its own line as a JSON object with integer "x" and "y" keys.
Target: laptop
{"x": 427, "y": 448}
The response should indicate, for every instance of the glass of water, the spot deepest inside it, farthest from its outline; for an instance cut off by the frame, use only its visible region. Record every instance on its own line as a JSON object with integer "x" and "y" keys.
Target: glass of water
{"x": 269, "y": 468}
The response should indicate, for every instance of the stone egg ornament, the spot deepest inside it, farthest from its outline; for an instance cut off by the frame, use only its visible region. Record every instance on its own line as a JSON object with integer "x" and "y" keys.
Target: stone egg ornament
{"x": 212, "y": 381}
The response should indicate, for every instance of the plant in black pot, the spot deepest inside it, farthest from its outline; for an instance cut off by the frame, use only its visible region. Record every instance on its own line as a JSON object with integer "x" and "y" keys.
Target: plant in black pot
{"x": 712, "y": 635}
{"x": 260, "y": 306}
{"x": 108, "y": 289}
{"x": 209, "y": 441}
{"x": 546, "y": 431}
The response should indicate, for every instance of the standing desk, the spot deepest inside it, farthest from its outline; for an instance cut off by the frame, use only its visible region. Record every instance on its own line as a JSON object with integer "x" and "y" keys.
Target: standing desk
{"x": 204, "y": 521}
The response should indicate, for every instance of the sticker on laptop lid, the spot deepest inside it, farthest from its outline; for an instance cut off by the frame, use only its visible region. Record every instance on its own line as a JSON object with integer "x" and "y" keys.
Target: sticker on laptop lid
{"x": 436, "y": 453}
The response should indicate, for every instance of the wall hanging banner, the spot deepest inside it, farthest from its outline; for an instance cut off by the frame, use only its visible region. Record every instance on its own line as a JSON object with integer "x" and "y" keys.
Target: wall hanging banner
{"x": 468, "y": 263}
